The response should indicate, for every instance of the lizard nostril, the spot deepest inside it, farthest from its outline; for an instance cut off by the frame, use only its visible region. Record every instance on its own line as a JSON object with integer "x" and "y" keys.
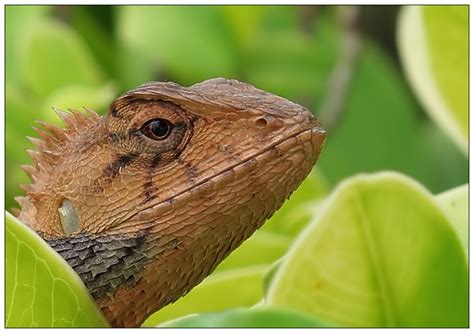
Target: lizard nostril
{"x": 261, "y": 122}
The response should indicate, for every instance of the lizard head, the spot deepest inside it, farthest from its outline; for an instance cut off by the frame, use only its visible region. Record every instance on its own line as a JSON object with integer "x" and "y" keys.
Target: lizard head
{"x": 157, "y": 192}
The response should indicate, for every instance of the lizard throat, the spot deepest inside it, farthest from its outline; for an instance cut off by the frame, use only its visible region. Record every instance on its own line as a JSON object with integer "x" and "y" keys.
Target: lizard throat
{"x": 104, "y": 262}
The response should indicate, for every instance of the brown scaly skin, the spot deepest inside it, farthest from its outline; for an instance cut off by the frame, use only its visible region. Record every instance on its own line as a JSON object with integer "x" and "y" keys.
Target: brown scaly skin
{"x": 157, "y": 216}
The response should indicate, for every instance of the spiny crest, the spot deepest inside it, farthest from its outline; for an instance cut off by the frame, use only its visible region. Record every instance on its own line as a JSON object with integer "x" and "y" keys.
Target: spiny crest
{"x": 50, "y": 144}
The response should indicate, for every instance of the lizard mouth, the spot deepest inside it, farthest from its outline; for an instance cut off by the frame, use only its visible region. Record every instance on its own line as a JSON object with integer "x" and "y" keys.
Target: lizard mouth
{"x": 315, "y": 135}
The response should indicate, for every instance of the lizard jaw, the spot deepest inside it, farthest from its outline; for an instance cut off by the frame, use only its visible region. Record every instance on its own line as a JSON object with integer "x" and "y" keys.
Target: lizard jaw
{"x": 315, "y": 135}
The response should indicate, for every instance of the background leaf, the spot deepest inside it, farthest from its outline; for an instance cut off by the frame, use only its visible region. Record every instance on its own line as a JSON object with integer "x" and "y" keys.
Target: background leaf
{"x": 379, "y": 255}
{"x": 41, "y": 289}
{"x": 433, "y": 45}
{"x": 454, "y": 204}
{"x": 216, "y": 293}
{"x": 448, "y": 43}
{"x": 51, "y": 46}
{"x": 19, "y": 20}
{"x": 261, "y": 317}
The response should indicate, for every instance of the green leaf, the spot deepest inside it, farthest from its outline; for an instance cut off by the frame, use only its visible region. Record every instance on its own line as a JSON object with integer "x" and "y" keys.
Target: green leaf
{"x": 261, "y": 317}
{"x": 224, "y": 290}
{"x": 380, "y": 254}
{"x": 189, "y": 53}
{"x": 54, "y": 56}
{"x": 455, "y": 204}
{"x": 433, "y": 44}
{"x": 267, "y": 279}
{"x": 41, "y": 289}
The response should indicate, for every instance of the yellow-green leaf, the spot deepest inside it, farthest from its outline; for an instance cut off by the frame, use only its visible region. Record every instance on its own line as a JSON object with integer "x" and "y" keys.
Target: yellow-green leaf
{"x": 455, "y": 205}
{"x": 224, "y": 290}
{"x": 380, "y": 254}
{"x": 41, "y": 289}
{"x": 250, "y": 318}
{"x": 433, "y": 45}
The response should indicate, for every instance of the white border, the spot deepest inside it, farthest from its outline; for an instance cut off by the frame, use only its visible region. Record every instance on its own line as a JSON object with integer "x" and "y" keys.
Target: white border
{"x": 184, "y": 2}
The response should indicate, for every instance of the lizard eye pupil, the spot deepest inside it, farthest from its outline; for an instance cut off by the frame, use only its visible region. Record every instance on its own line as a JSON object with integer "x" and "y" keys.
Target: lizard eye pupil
{"x": 157, "y": 129}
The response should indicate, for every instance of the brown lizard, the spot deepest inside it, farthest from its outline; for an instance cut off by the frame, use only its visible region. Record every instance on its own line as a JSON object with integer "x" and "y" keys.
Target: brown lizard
{"x": 144, "y": 202}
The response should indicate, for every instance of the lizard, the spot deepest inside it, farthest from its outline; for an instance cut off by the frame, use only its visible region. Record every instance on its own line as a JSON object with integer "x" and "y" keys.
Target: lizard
{"x": 144, "y": 202}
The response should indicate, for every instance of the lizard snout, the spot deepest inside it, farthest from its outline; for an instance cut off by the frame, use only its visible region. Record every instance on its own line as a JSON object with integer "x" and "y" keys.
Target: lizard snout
{"x": 318, "y": 136}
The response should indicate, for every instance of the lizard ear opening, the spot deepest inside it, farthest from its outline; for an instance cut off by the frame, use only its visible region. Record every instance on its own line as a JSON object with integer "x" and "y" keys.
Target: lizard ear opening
{"x": 261, "y": 122}
{"x": 69, "y": 219}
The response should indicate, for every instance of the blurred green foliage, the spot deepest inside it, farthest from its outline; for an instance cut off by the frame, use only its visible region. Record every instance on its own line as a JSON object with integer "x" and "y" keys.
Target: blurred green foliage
{"x": 75, "y": 56}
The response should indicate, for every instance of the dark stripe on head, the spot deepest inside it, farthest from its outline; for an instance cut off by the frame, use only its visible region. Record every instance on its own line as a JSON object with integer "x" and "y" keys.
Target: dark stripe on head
{"x": 191, "y": 170}
{"x": 155, "y": 161}
{"x": 115, "y": 137}
{"x": 118, "y": 136}
{"x": 180, "y": 125}
{"x": 135, "y": 132}
{"x": 114, "y": 113}
{"x": 149, "y": 190}
{"x": 121, "y": 161}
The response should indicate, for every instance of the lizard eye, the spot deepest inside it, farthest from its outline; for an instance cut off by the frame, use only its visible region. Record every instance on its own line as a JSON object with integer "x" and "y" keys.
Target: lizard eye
{"x": 157, "y": 129}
